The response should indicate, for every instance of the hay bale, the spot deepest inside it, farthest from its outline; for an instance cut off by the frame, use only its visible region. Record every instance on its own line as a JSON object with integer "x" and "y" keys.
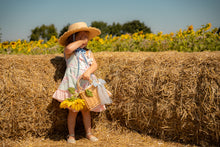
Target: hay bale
{"x": 171, "y": 95}
{"x": 26, "y": 105}
{"x": 27, "y": 84}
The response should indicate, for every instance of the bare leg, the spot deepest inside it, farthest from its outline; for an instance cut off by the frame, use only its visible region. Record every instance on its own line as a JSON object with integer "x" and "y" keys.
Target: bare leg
{"x": 87, "y": 123}
{"x": 71, "y": 121}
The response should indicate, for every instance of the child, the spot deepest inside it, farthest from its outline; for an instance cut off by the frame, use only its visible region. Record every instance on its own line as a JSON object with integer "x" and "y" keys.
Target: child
{"x": 80, "y": 64}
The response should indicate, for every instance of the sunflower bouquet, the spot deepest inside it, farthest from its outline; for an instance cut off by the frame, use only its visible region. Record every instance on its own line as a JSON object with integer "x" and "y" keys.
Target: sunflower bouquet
{"x": 73, "y": 102}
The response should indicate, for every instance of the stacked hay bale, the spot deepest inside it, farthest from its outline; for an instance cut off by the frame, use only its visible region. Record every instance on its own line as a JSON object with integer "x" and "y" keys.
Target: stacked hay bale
{"x": 171, "y": 95}
{"x": 26, "y": 86}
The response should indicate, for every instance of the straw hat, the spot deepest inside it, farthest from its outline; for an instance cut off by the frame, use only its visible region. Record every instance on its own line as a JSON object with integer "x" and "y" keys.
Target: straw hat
{"x": 78, "y": 27}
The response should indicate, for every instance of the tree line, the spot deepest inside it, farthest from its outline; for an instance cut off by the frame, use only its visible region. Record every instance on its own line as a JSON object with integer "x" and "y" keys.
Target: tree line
{"x": 45, "y": 32}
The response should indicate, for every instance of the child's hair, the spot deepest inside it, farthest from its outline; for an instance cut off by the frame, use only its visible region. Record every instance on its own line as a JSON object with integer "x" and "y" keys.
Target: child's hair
{"x": 69, "y": 40}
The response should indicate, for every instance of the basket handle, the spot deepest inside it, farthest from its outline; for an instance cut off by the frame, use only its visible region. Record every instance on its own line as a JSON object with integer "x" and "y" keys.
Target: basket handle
{"x": 79, "y": 88}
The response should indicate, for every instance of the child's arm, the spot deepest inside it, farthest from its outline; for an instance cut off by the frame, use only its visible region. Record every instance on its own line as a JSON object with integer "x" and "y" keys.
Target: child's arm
{"x": 91, "y": 69}
{"x": 74, "y": 45}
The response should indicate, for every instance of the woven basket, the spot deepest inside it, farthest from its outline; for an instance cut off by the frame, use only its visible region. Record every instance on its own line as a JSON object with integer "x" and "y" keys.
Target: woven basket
{"x": 90, "y": 101}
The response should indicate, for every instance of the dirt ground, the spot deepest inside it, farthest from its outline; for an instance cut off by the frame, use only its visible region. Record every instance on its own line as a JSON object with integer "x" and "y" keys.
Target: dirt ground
{"x": 108, "y": 137}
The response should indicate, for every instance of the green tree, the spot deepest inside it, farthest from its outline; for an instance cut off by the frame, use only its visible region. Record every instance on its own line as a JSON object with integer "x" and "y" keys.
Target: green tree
{"x": 35, "y": 34}
{"x": 135, "y": 26}
{"x": 64, "y": 29}
{"x": 102, "y": 26}
{"x": 43, "y": 32}
{"x": 115, "y": 29}
{"x": 51, "y": 31}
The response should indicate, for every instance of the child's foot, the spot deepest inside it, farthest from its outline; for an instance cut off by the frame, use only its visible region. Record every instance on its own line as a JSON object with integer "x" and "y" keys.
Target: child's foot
{"x": 71, "y": 139}
{"x": 91, "y": 137}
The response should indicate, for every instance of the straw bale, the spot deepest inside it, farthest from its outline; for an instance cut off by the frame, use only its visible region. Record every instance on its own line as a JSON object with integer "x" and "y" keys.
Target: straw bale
{"x": 170, "y": 95}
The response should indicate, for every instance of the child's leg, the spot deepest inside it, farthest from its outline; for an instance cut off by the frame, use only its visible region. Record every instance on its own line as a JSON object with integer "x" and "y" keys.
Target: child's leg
{"x": 71, "y": 121}
{"x": 87, "y": 121}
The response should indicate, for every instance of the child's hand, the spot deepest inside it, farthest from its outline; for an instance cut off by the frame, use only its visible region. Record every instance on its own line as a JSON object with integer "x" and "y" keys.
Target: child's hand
{"x": 86, "y": 76}
{"x": 84, "y": 43}
{"x": 85, "y": 40}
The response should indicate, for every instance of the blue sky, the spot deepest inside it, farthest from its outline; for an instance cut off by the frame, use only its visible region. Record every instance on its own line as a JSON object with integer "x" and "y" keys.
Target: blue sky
{"x": 18, "y": 17}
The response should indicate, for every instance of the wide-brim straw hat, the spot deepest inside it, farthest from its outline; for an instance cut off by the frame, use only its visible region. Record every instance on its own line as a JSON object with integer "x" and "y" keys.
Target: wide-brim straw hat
{"x": 78, "y": 27}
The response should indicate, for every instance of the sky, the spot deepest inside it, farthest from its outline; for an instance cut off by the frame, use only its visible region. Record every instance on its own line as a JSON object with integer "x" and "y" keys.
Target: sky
{"x": 19, "y": 17}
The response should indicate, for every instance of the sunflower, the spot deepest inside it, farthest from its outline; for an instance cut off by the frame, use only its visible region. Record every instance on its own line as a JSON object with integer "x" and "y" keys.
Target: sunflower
{"x": 64, "y": 104}
{"x": 171, "y": 34}
{"x": 76, "y": 104}
{"x": 73, "y": 102}
{"x": 13, "y": 44}
{"x": 208, "y": 26}
{"x": 190, "y": 28}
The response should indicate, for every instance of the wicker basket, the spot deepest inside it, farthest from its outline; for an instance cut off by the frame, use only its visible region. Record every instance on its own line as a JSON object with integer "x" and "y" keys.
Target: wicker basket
{"x": 90, "y": 101}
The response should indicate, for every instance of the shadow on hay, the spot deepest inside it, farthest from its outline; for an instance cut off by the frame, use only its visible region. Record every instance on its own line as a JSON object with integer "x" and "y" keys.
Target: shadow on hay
{"x": 58, "y": 117}
{"x": 59, "y": 64}
{"x": 59, "y": 129}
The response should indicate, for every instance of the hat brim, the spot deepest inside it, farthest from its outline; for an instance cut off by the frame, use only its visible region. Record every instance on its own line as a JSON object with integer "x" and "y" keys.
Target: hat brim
{"x": 93, "y": 32}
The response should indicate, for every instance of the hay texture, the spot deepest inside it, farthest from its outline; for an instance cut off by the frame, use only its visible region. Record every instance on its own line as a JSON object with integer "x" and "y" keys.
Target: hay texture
{"x": 170, "y": 95}
{"x": 26, "y": 86}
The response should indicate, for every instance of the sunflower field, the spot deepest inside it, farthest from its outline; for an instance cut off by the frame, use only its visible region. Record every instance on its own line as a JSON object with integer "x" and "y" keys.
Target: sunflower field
{"x": 189, "y": 40}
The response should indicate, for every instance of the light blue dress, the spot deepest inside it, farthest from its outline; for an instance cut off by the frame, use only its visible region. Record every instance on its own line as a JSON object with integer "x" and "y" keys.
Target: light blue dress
{"x": 77, "y": 64}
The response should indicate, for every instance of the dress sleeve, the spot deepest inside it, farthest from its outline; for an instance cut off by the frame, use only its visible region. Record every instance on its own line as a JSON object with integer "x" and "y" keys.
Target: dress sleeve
{"x": 90, "y": 60}
{"x": 89, "y": 53}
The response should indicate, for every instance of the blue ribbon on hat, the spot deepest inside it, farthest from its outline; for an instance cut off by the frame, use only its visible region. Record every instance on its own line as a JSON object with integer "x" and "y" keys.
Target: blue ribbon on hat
{"x": 80, "y": 51}
{"x": 102, "y": 92}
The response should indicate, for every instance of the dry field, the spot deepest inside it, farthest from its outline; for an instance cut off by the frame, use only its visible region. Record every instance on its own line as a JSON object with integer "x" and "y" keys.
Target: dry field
{"x": 107, "y": 138}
